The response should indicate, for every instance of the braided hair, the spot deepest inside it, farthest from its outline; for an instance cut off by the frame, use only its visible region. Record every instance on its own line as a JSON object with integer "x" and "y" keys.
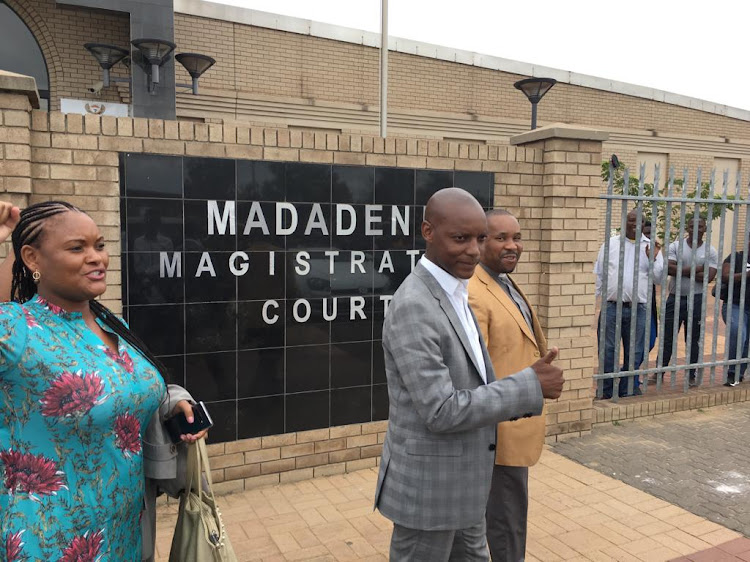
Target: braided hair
{"x": 29, "y": 232}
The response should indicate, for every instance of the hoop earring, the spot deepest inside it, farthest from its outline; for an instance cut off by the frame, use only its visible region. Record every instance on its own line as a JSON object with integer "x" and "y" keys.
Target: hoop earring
{"x": 36, "y": 276}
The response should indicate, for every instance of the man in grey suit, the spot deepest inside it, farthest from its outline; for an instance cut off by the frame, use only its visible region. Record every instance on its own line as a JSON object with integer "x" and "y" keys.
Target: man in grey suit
{"x": 438, "y": 455}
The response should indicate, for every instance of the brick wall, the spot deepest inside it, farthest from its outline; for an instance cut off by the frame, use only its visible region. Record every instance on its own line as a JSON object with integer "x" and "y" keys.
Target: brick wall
{"x": 52, "y": 155}
{"x": 275, "y": 63}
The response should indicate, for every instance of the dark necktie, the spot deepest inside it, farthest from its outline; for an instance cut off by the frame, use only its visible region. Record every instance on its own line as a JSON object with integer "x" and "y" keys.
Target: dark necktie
{"x": 516, "y": 297}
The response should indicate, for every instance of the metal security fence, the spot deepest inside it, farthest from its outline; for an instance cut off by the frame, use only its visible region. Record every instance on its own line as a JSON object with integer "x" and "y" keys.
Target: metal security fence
{"x": 647, "y": 299}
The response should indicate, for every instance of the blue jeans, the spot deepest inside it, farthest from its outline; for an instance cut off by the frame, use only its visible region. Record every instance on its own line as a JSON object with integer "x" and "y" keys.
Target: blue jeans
{"x": 610, "y": 345}
{"x": 733, "y": 331}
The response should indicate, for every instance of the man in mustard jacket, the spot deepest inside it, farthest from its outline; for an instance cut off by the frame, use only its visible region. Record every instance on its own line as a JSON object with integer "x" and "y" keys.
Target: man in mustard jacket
{"x": 515, "y": 340}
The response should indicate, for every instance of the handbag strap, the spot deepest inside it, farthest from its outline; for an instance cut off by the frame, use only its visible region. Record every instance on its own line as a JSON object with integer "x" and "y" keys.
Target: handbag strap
{"x": 197, "y": 464}
{"x": 193, "y": 469}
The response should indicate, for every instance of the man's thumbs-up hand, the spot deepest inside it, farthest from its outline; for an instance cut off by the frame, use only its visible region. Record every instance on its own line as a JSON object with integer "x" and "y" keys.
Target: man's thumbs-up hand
{"x": 550, "y": 376}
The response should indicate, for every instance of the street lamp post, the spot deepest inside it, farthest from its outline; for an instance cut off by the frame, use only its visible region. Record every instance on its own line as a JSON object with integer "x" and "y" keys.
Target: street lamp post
{"x": 535, "y": 88}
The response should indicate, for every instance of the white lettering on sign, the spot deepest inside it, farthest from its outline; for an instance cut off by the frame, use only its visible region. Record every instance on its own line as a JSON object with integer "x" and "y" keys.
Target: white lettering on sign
{"x": 332, "y": 255}
{"x": 386, "y": 263}
{"x": 332, "y": 315}
{"x": 371, "y": 218}
{"x": 270, "y": 319}
{"x": 255, "y": 218}
{"x": 303, "y": 263}
{"x": 414, "y": 256}
{"x": 222, "y": 219}
{"x": 243, "y": 263}
{"x": 386, "y": 300}
{"x": 205, "y": 265}
{"x": 292, "y": 210}
{"x": 218, "y": 222}
{"x": 357, "y": 308}
{"x": 397, "y": 219}
{"x": 244, "y": 266}
{"x": 340, "y": 210}
{"x": 170, "y": 268}
{"x": 301, "y": 303}
{"x": 317, "y": 221}
{"x": 358, "y": 261}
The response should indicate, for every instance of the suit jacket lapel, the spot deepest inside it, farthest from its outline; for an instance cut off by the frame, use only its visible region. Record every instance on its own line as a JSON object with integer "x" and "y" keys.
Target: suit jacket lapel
{"x": 539, "y": 338}
{"x": 445, "y": 303}
{"x": 504, "y": 299}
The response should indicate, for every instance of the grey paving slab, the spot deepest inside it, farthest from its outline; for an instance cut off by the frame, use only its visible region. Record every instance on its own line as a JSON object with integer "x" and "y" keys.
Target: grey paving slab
{"x": 698, "y": 460}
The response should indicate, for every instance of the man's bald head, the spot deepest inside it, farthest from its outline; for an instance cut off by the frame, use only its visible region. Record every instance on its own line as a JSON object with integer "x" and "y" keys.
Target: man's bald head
{"x": 454, "y": 228}
{"x": 444, "y": 202}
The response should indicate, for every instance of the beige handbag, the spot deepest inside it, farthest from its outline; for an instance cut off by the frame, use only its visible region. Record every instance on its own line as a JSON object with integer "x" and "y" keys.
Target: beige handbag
{"x": 199, "y": 535}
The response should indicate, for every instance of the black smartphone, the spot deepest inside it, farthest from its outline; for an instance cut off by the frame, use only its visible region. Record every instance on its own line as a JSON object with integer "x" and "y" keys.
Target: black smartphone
{"x": 178, "y": 425}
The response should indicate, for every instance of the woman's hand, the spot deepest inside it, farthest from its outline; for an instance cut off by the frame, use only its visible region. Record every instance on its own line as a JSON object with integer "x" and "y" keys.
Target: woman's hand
{"x": 186, "y": 408}
{"x": 9, "y": 217}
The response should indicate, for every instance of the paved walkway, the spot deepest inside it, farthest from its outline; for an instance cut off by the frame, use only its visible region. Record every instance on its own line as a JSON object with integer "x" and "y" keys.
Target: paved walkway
{"x": 576, "y": 513}
{"x": 699, "y": 460}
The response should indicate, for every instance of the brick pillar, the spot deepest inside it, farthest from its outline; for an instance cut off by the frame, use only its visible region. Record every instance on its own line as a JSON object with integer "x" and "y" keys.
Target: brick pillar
{"x": 18, "y": 96}
{"x": 569, "y": 241}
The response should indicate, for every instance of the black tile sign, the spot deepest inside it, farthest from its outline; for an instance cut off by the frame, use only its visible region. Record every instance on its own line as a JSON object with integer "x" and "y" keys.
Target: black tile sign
{"x": 263, "y": 285}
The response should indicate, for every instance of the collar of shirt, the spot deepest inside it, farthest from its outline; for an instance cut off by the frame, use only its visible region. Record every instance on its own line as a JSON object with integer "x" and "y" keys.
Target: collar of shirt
{"x": 450, "y": 284}
{"x": 644, "y": 238}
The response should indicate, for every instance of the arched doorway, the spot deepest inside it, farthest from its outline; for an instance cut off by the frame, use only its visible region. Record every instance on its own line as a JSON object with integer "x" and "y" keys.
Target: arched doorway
{"x": 20, "y": 52}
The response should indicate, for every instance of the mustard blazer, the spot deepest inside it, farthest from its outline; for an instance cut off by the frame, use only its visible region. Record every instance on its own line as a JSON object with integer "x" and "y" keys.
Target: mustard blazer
{"x": 512, "y": 347}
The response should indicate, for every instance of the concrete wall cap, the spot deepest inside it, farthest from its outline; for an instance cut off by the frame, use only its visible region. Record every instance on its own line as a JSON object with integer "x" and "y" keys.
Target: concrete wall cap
{"x": 13, "y": 83}
{"x": 560, "y": 131}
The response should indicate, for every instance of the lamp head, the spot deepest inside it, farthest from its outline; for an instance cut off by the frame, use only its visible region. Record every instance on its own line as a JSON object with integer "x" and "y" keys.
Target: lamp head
{"x": 535, "y": 88}
{"x": 154, "y": 51}
{"x": 106, "y": 55}
{"x": 195, "y": 63}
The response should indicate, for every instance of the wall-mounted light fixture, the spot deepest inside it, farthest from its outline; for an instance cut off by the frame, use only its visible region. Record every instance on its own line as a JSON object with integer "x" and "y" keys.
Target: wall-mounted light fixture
{"x": 107, "y": 56}
{"x": 196, "y": 65}
{"x": 535, "y": 88}
{"x": 150, "y": 55}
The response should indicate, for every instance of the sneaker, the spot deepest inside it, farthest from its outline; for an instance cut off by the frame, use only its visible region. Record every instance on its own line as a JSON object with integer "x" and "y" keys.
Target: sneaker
{"x": 731, "y": 383}
{"x": 693, "y": 381}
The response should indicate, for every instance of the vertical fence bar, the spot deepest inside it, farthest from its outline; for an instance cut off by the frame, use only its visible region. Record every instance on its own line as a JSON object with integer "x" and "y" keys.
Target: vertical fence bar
{"x": 604, "y": 273}
{"x": 675, "y": 327}
{"x": 691, "y": 290}
{"x": 620, "y": 283}
{"x": 664, "y": 284}
{"x": 722, "y": 220}
{"x": 741, "y": 316}
{"x": 635, "y": 298}
{"x": 729, "y": 302}
{"x": 650, "y": 281}
{"x": 707, "y": 247}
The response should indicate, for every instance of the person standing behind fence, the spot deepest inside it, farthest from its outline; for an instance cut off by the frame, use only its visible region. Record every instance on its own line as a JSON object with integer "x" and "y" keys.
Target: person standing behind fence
{"x": 706, "y": 261}
{"x": 629, "y": 298}
{"x": 739, "y": 321}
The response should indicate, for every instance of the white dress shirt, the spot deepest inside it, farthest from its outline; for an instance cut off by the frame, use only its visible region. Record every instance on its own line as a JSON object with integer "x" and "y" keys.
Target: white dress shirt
{"x": 458, "y": 293}
{"x": 689, "y": 255}
{"x": 612, "y": 269}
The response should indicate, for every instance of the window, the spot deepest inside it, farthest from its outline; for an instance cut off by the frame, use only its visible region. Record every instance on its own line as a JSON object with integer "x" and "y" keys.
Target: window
{"x": 20, "y": 53}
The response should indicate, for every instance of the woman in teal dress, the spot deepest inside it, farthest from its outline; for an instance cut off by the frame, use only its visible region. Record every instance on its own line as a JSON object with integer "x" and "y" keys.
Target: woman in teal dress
{"x": 77, "y": 390}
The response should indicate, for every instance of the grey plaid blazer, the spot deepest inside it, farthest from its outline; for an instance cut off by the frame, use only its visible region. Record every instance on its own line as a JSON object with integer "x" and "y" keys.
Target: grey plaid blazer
{"x": 438, "y": 455}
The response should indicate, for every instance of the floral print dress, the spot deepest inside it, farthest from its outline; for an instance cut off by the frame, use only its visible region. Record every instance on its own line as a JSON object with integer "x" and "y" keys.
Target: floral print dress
{"x": 72, "y": 411}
